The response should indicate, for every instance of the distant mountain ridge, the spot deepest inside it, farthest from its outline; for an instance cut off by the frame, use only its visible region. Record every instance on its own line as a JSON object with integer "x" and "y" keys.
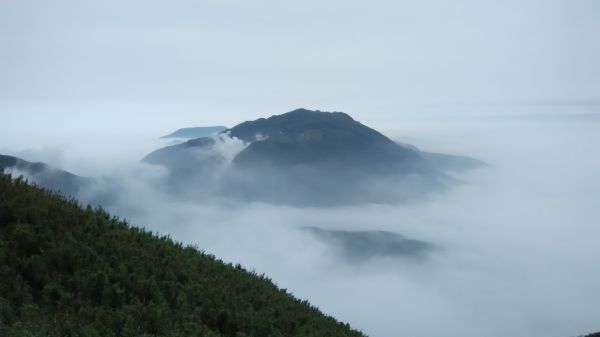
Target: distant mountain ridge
{"x": 306, "y": 157}
{"x": 45, "y": 175}
{"x": 361, "y": 246}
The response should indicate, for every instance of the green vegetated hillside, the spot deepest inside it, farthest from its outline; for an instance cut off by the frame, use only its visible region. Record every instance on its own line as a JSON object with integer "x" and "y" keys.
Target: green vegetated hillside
{"x": 72, "y": 271}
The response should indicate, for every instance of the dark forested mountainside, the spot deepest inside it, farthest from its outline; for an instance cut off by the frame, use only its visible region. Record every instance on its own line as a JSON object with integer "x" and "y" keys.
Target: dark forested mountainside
{"x": 72, "y": 271}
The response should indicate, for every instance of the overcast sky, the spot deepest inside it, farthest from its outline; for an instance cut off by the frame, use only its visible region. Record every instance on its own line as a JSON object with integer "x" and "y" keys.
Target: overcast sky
{"x": 110, "y": 63}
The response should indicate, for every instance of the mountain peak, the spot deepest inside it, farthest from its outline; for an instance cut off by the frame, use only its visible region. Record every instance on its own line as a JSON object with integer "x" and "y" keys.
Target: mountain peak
{"x": 313, "y": 113}
{"x": 300, "y": 121}
{"x": 308, "y": 111}
{"x": 302, "y": 110}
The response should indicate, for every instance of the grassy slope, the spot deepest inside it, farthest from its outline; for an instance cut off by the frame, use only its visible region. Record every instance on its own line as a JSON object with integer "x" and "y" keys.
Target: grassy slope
{"x": 68, "y": 271}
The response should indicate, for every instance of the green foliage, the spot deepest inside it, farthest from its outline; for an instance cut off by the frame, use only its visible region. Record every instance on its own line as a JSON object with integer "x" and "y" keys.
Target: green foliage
{"x": 68, "y": 271}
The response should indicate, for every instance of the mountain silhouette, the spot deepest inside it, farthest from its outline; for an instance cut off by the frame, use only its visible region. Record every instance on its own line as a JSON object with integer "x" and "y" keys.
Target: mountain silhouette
{"x": 44, "y": 175}
{"x": 305, "y": 157}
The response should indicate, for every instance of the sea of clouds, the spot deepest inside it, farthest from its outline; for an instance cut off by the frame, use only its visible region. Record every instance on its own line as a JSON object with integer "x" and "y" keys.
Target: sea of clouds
{"x": 516, "y": 244}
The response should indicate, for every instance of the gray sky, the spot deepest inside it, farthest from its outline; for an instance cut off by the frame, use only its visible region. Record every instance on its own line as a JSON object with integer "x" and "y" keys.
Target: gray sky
{"x": 179, "y": 63}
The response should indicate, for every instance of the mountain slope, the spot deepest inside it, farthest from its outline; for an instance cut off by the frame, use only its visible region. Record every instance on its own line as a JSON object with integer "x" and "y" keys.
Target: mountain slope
{"x": 45, "y": 175}
{"x": 68, "y": 271}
